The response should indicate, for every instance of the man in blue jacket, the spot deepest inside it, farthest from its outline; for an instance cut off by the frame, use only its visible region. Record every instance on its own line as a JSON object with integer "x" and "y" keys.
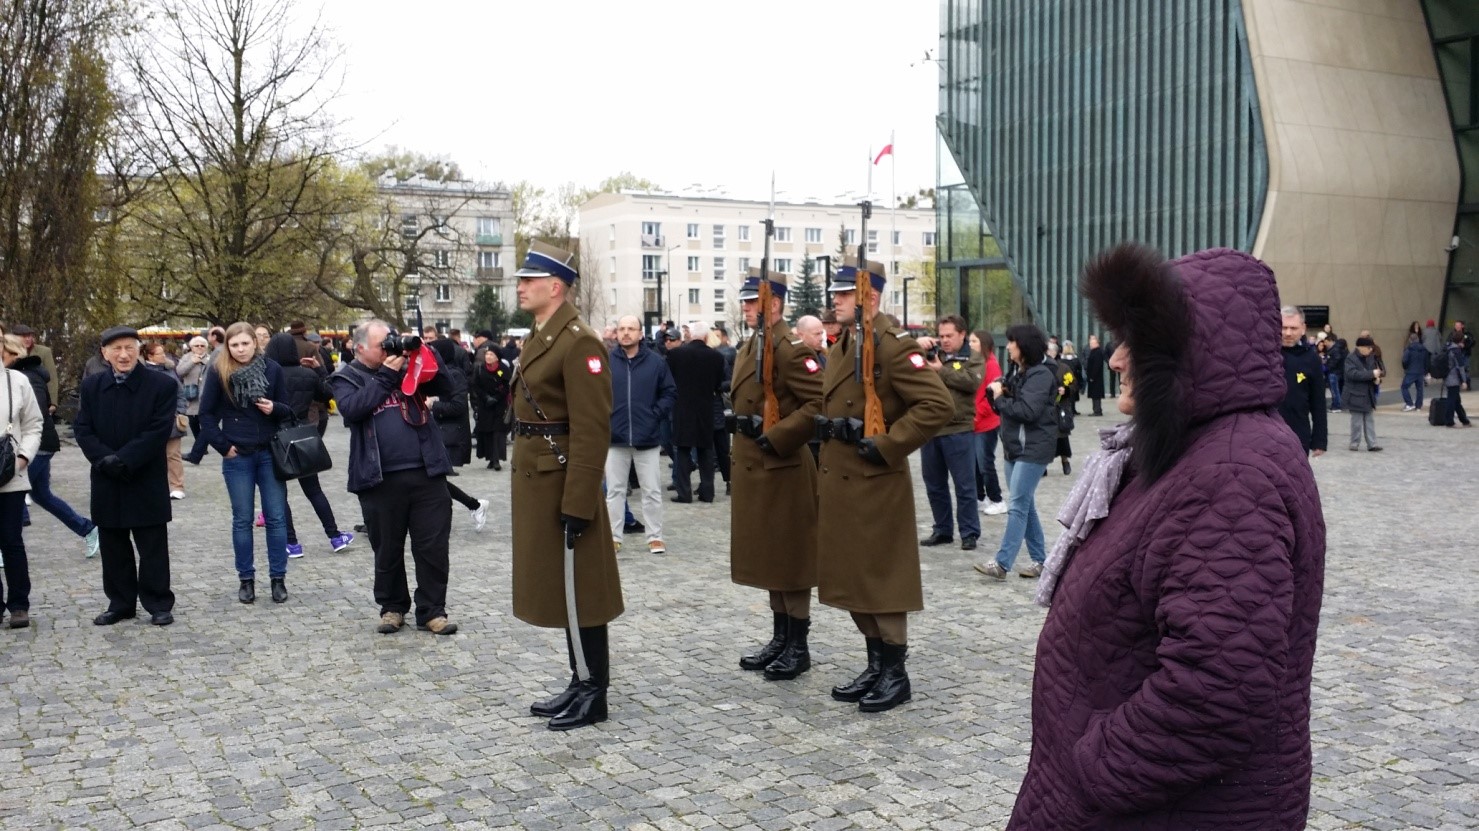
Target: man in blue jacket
{"x": 642, "y": 397}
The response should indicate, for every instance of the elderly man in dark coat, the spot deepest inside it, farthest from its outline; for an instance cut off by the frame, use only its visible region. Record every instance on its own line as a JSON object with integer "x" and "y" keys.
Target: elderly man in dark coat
{"x": 123, "y": 423}
{"x": 1094, "y": 374}
{"x": 699, "y": 374}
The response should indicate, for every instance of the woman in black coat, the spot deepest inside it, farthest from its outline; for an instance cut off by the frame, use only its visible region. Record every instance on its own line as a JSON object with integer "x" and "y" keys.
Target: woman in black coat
{"x": 304, "y": 387}
{"x": 450, "y": 413}
{"x": 490, "y": 390}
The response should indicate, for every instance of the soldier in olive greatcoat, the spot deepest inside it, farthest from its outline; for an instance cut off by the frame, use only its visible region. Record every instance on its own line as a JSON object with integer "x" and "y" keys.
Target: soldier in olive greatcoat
{"x": 868, "y": 561}
{"x": 775, "y": 481}
{"x": 562, "y": 406}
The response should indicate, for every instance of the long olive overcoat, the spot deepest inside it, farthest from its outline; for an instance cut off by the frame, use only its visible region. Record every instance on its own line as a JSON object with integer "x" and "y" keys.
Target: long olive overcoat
{"x": 564, "y": 367}
{"x": 773, "y": 513}
{"x": 868, "y": 551}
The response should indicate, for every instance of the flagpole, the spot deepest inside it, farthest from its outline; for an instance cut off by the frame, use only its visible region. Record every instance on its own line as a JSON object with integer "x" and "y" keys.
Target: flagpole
{"x": 871, "y": 165}
{"x": 893, "y": 209}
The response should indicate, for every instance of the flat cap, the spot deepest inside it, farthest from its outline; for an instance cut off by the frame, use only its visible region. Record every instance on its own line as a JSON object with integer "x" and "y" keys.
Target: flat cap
{"x": 110, "y": 335}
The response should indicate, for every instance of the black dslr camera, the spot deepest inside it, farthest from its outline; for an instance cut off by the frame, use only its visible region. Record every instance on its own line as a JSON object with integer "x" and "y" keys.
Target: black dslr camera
{"x": 397, "y": 344}
{"x": 933, "y": 353}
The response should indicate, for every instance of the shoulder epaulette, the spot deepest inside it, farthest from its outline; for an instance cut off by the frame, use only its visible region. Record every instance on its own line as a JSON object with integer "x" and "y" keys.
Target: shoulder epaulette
{"x": 796, "y": 342}
{"x": 901, "y": 334}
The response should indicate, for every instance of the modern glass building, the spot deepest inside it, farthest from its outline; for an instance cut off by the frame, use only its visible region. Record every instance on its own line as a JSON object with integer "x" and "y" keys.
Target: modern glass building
{"x": 1315, "y": 137}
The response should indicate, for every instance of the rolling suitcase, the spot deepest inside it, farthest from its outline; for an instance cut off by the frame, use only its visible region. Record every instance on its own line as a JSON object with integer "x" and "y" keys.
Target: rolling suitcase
{"x": 1438, "y": 410}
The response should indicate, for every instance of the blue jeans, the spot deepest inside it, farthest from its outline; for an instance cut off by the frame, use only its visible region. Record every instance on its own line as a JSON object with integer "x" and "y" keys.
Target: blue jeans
{"x": 1332, "y": 380}
{"x": 951, "y": 460}
{"x": 986, "y": 464}
{"x": 40, "y": 473}
{"x": 245, "y": 475}
{"x": 1416, "y": 381}
{"x": 1022, "y": 519}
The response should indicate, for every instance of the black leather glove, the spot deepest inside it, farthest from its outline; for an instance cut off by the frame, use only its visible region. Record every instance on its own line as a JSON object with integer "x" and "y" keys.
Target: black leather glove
{"x": 111, "y": 467}
{"x": 574, "y": 527}
{"x": 869, "y": 451}
{"x": 765, "y": 446}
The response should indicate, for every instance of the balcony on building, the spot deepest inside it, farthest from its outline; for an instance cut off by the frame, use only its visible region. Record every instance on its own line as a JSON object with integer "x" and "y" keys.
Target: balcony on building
{"x": 494, "y": 274}
{"x": 494, "y": 240}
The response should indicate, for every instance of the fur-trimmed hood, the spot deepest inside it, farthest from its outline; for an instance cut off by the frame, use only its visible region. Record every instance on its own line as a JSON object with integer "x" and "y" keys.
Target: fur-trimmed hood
{"x": 1204, "y": 336}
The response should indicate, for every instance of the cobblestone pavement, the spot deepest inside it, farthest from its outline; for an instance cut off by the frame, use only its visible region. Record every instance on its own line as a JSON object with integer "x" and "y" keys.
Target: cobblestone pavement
{"x": 299, "y": 715}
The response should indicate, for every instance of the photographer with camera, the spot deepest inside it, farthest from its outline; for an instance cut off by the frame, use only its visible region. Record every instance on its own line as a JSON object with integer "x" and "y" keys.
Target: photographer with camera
{"x": 398, "y": 467}
{"x": 950, "y": 455}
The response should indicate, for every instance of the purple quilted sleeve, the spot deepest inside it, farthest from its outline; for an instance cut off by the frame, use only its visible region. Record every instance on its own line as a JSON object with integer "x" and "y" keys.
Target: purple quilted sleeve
{"x": 1217, "y": 572}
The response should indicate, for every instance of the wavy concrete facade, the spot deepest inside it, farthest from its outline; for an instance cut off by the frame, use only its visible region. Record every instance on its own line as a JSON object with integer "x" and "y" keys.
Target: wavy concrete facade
{"x": 1363, "y": 176}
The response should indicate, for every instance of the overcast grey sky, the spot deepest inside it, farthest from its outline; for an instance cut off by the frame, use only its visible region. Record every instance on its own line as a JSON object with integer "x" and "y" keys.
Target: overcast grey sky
{"x": 677, "y": 91}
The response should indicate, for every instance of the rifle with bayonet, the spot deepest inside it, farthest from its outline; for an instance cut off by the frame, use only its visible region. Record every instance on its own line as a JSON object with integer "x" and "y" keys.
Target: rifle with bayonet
{"x": 765, "y": 368}
{"x": 863, "y": 358}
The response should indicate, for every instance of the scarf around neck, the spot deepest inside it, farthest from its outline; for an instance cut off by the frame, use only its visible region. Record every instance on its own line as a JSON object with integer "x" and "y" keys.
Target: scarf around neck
{"x": 1087, "y": 503}
{"x": 249, "y": 383}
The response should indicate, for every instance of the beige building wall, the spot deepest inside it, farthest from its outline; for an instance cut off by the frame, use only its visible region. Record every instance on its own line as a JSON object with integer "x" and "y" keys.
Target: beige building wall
{"x": 1363, "y": 174}
{"x": 627, "y": 237}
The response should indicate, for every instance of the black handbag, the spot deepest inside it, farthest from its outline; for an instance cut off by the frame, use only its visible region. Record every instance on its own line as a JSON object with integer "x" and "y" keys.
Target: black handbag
{"x": 7, "y": 442}
{"x": 298, "y": 451}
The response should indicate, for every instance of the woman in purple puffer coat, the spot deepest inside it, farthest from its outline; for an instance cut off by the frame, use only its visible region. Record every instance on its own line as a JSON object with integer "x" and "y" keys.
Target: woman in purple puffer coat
{"x": 1172, "y": 684}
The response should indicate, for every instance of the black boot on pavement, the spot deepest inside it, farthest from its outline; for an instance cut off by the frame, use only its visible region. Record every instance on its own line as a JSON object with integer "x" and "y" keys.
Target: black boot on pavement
{"x": 248, "y": 591}
{"x": 554, "y": 705}
{"x": 770, "y": 651}
{"x": 892, "y": 688}
{"x": 859, "y": 687}
{"x": 795, "y": 657}
{"x": 588, "y": 706}
{"x": 279, "y": 589}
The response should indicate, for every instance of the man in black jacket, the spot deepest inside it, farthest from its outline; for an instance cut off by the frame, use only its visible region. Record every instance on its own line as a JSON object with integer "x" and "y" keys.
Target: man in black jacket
{"x": 124, "y": 419}
{"x": 1304, "y": 400}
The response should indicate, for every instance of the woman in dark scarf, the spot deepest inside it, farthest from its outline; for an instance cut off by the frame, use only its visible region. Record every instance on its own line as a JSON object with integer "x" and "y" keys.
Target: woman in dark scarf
{"x": 241, "y": 402}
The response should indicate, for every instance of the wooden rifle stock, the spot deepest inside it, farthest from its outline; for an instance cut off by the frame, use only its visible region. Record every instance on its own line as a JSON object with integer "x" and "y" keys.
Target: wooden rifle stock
{"x": 873, "y": 423}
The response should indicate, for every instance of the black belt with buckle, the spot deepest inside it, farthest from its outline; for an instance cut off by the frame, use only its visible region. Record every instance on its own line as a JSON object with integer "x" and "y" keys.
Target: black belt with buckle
{"x": 750, "y": 426}
{"x": 845, "y": 430}
{"x": 542, "y": 428}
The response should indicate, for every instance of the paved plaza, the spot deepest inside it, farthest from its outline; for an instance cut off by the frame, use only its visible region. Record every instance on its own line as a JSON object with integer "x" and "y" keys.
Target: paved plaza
{"x": 301, "y": 716}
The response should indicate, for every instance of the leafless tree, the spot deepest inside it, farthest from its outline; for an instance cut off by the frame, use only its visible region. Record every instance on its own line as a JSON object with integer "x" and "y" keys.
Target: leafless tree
{"x": 237, "y": 145}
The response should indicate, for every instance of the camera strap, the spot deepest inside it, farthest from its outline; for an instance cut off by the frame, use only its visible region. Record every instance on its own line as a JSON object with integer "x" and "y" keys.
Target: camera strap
{"x": 539, "y": 411}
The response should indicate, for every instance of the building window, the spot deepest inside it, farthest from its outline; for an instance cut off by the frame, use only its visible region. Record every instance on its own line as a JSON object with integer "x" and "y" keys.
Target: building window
{"x": 897, "y": 236}
{"x": 693, "y": 297}
{"x": 929, "y": 239}
{"x": 782, "y": 234}
{"x": 893, "y": 268}
{"x": 612, "y": 271}
{"x": 693, "y": 265}
{"x": 693, "y": 230}
{"x": 490, "y": 259}
{"x": 444, "y": 293}
{"x": 441, "y": 259}
{"x": 813, "y": 234}
{"x": 651, "y": 265}
{"x": 850, "y": 236}
{"x": 718, "y": 301}
{"x": 410, "y": 226}
{"x": 718, "y": 268}
{"x": 652, "y": 234}
{"x": 872, "y": 242}
{"x": 718, "y": 236}
{"x": 783, "y": 266}
{"x": 489, "y": 226}
{"x": 744, "y": 233}
{"x": 611, "y": 232}
{"x": 443, "y": 325}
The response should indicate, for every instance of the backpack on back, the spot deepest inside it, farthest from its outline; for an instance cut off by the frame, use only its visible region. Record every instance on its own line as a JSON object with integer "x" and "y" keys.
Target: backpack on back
{"x": 1439, "y": 365}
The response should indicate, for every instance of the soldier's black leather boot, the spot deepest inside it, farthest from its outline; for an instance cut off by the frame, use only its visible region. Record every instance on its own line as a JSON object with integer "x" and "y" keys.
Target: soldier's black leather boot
{"x": 892, "y": 688}
{"x": 588, "y": 706}
{"x": 770, "y": 651}
{"x": 859, "y": 687}
{"x": 795, "y": 658}
{"x": 556, "y": 704}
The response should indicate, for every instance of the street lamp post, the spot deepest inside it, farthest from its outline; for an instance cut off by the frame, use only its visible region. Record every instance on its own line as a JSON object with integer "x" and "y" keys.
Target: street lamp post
{"x": 907, "y": 281}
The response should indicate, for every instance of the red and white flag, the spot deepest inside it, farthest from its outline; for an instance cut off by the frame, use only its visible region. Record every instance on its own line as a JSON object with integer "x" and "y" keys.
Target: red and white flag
{"x": 888, "y": 150}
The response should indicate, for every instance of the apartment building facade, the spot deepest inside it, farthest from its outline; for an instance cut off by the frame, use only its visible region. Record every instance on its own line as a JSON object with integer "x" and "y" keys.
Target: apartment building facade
{"x": 462, "y": 237}
{"x": 683, "y": 257}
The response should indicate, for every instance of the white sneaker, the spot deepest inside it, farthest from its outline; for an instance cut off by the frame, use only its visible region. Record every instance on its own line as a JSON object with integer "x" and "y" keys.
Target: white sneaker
{"x": 176, "y": 494}
{"x": 92, "y": 542}
{"x": 994, "y": 508}
{"x": 480, "y": 515}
